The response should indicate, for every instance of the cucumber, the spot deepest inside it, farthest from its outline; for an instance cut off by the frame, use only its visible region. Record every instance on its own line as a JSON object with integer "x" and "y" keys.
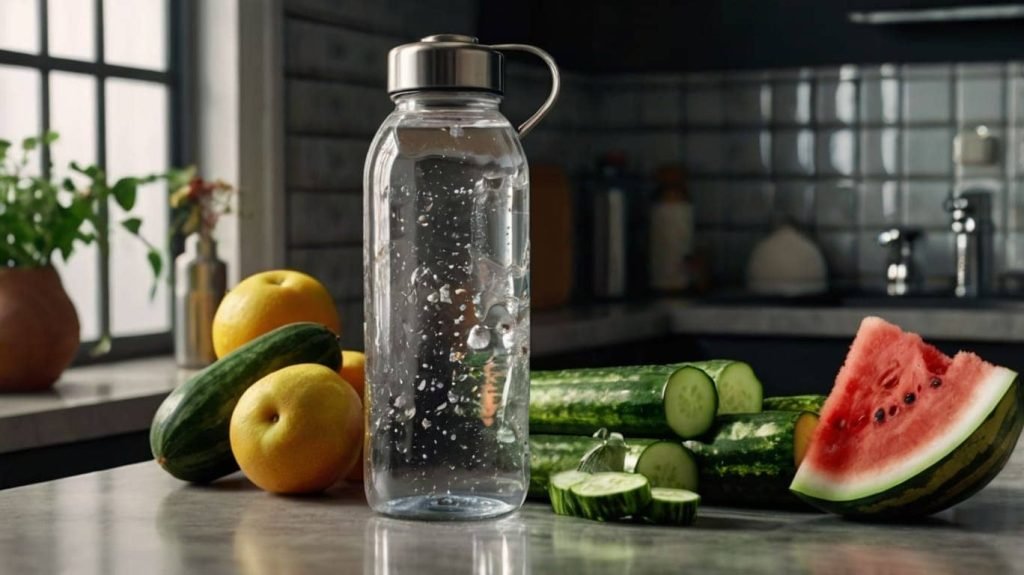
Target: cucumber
{"x": 189, "y": 434}
{"x": 739, "y": 390}
{"x": 550, "y": 454}
{"x": 653, "y": 400}
{"x": 663, "y": 463}
{"x": 562, "y": 500}
{"x": 750, "y": 459}
{"x": 810, "y": 403}
{"x": 611, "y": 495}
{"x": 672, "y": 506}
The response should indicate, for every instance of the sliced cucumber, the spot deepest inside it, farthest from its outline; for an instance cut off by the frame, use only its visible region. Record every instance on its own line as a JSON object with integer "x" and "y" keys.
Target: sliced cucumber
{"x": 562, "y": 500}
{"x": 663, "y": 463}
{"x": 691, "y": 402}
{"x": 672, "y": 506}
{"x": 610, "y": 496}
{"x": 739, "y": 390}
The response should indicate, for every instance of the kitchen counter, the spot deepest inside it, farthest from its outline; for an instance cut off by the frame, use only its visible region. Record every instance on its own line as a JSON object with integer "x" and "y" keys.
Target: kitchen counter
{"x": 137, "y": 519}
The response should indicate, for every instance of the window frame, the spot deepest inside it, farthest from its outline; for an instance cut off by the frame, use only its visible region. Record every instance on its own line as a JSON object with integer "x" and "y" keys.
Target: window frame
{"x": 178, "y": 78}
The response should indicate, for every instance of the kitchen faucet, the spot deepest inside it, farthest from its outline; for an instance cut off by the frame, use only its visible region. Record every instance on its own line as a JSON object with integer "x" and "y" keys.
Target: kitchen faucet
{"x": 971, "y": 213}
{"x": 901, "y": 276}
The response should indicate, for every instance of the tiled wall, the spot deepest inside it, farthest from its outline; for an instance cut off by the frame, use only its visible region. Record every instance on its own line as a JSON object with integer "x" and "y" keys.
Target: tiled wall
{"x": 336, "y": 97}
{"x": 845, "y": 152}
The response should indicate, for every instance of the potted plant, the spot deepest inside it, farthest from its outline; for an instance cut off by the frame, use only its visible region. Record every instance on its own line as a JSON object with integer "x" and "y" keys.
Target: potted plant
{"x": 41, "y": 219}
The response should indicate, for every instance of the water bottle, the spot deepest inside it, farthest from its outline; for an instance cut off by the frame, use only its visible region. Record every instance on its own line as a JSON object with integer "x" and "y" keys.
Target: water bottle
{"x": 447, "y": 284}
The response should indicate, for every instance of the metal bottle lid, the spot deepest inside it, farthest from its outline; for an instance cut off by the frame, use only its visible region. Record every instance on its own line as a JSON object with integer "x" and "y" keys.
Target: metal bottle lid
{"x": 445, "y": 62}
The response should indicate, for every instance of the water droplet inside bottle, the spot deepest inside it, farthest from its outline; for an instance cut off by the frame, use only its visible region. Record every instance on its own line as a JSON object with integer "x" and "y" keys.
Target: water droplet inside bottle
{"x": 433, "y": 297}
{"x": 445, "y": 293}
{"x": 506, "y": 435}
{"x": 479, "y": 337}
{"x": 423, "y": 221}
{"x": 409, "y": 413}
{"x": 426, "y": 423}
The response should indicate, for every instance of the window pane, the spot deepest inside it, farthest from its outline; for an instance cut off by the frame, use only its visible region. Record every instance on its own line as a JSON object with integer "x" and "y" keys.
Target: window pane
{"x": 72, "y": 31}
{"x": 137, "y": 144}
{"x": 73, "y": 116}
{"x": 19, "y": 25}
{"x": 135, "y": 33}
{"x": 19, "y": 104}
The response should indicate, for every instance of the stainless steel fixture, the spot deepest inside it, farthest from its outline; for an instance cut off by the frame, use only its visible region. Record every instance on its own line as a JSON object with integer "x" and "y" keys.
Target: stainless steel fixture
{"x": 901, "y": 274}
{"x": 971, "y": 213}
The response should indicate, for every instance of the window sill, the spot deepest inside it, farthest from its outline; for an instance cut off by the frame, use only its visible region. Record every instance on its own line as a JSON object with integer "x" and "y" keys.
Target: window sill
{"x": 91, "y": 402}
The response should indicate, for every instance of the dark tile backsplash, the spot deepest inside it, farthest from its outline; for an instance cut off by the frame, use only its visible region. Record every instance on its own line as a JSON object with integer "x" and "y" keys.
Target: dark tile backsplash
{"x": 844, "y": 152}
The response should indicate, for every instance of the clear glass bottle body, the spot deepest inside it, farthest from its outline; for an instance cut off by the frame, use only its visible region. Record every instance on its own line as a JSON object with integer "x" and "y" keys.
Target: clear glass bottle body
{"x": 446, "y": 264}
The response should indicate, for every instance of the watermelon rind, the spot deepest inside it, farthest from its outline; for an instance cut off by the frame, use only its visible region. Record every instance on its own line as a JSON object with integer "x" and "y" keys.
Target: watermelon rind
{"x": 941, "y": 474}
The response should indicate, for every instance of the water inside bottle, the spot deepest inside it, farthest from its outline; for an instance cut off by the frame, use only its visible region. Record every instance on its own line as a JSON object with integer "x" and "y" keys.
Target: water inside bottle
{"x": 449, "y": 396}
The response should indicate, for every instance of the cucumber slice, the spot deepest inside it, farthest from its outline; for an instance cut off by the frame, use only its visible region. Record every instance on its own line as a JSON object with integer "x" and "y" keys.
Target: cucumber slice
{"x": 611, "y": 495}
{"x": 562, "y": 500}
{"x": 663, "y": 463}
{"x": 739, "y": 390}
{"x": 691, "y": 402}
{"x": 672, "y": 506}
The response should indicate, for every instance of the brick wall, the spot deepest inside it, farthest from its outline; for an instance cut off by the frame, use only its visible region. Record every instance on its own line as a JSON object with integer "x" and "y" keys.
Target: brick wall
{"x": 335, "y": 97}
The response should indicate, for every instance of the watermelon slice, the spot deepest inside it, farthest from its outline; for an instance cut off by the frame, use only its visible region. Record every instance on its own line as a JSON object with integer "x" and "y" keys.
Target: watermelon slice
{"x": 908, "y": 431}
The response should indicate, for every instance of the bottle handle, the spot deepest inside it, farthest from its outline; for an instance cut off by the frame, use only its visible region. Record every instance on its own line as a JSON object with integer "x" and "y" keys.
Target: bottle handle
{"x": 556, "y": 84}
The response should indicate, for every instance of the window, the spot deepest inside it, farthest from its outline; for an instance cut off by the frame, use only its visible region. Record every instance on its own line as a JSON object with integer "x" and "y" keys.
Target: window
{"x": 106, "y": 75}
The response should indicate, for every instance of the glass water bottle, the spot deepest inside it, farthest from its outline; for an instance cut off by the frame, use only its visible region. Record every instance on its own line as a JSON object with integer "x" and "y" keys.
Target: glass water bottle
{"x": 447, "y": 279}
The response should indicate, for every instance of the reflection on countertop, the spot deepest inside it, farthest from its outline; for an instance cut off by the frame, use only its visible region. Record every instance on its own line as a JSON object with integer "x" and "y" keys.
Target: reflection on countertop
{"x": 137, "y": 519}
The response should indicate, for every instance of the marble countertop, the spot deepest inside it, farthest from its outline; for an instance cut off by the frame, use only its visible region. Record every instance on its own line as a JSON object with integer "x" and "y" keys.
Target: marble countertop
{"x": 137, "y": 519}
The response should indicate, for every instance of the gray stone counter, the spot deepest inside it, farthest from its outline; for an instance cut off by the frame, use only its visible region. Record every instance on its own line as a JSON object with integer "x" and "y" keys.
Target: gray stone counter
{"x": 137, "y": 519}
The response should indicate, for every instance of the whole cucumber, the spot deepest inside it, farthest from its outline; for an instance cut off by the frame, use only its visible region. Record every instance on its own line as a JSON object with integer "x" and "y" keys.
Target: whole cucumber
{"x": 189, "y": 434}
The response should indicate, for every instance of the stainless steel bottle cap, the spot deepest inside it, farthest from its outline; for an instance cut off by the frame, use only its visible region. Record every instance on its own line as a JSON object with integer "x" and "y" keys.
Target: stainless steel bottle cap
{"x": 445, "y": 62}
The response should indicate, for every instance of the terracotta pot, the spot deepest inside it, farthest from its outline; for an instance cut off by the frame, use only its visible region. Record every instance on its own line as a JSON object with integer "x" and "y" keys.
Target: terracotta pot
{"x": 38, "y": 329}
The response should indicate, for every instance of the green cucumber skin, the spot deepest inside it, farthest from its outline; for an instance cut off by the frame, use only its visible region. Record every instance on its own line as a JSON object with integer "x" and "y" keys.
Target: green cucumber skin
{"x": 810, "y": 402}
{"x": 667, "y": 512}
{"x": 189, "y": 434}
{"x": 562, "y": 500}
{"x": 611, "y": 506}
{"x": 716, "y": 368}
{"x": 550, "y": 454}
{"x": 629, "y": 400}
{"x": 747, "y": 460}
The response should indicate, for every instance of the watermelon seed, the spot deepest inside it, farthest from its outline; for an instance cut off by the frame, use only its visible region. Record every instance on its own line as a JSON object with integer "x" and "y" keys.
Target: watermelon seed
{"x": 936, "y": 382}
{"x": 880, "y": 415}
{"x": 909, "y": 398}
{"x": 893, "y": 409}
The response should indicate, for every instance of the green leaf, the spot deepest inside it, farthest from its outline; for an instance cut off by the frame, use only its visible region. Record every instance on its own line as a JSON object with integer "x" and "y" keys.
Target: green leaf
{"x": 30, "y": 143}
{"x": 157, "y": 263}
{"x": 50, "y": 137}
{"x": 132, "y": 225}
{"x": 125, "y": 191}
{"x": 68, "y": 185}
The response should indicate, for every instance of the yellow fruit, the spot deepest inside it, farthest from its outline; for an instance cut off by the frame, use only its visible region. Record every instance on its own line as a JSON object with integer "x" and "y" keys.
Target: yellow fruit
{"x": 297, "y": 430}
{"x": 353, "y": 370}
{"x": 266, "y": 301}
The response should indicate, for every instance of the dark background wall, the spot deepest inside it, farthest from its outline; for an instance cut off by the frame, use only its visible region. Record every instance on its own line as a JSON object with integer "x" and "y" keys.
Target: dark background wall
{"x": 613, "y": 36}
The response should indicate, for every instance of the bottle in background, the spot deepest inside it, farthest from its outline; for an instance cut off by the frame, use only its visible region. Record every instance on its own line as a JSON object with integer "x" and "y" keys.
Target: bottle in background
{"x": 671, "y": 233}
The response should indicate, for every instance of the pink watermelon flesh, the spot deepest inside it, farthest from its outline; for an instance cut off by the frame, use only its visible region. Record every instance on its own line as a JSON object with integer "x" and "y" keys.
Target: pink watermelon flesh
{"x": 898, "y": 406}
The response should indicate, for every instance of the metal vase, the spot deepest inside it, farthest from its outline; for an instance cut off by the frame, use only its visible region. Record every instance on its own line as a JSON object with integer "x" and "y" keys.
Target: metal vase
{"x": 200, "y": 285}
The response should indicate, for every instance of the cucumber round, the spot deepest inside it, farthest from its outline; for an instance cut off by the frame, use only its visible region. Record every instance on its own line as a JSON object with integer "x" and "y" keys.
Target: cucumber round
{"x": 663, "y": 463}
{"x": 611, "y": 495}
{"x": 691, "y": 402}
{"x": 739, "y": 390}
{"x": 562, "y": 499}
{"x": 672, "y": 506}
